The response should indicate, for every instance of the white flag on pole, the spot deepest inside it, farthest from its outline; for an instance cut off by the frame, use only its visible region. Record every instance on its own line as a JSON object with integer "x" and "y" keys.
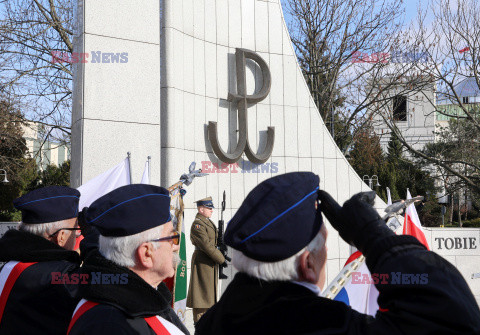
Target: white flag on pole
{"x": 389, "y": 197}
{"x": 114, "y": 178}
{"x": 146, "y": 173}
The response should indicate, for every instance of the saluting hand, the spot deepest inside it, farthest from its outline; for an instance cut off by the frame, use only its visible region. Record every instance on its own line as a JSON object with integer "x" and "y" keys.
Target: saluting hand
{"x": 357, "y": 221}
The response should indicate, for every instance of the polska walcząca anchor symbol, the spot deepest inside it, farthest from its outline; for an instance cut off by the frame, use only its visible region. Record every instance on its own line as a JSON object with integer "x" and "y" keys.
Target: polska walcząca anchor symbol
{"x": 242, "y": 100}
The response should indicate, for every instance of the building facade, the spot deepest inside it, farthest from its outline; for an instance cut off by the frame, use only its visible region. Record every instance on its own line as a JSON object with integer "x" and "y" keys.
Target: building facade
{"x": 412, "y": 112}
{"x": 44, "y": 152}
{"x": 420, "y": 115}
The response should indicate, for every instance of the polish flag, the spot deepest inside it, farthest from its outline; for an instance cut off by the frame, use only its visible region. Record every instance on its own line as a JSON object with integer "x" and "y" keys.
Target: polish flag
{"x": 412, "y": 224}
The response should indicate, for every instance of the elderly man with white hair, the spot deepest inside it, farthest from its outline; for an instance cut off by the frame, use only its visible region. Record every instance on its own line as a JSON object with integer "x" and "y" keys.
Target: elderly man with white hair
{"x": 37, "y": 295}
{"x": 138, "y": 249}
{"x": 279, "y": 250}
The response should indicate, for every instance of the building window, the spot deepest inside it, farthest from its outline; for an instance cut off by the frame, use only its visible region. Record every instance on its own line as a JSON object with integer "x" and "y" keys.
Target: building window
{"x": 465, "y": 100}
{"x": 400, "y": 108}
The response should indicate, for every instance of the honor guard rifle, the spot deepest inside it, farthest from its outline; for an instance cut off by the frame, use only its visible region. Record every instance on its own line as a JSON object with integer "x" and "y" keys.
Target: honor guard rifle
{"x": 221, "y": 244}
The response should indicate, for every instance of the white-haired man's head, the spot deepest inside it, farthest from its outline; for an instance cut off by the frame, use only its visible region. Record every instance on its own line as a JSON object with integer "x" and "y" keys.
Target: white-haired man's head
{"x": 61, "y": 232}
{"x": 152, "y": 260}
{"x": 306, "y": 265}
{"x": 121, "y": 250}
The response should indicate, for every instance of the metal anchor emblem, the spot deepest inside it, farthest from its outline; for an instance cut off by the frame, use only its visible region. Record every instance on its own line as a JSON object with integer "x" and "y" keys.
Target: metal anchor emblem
{"x": 242, "y": 100}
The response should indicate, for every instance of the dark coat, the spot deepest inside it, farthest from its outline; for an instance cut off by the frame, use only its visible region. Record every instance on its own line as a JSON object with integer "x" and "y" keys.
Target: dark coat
{"x": 445, "y": 305}
{"x": 35, "y": 305}
{"x": 202, "y": 292}
{"x": 123, "y": 305}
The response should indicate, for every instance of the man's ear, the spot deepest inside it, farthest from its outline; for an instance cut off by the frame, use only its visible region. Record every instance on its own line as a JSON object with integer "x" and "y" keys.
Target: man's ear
{"x": 60, "y": 238}
{"x": 144, "y": 254}
{"x": 307, "y": 271}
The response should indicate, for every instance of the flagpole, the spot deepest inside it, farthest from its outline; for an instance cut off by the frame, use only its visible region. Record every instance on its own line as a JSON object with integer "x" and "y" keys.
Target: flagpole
{"x": 179, "y": 215}
{"x": 129, "y": 167}
{"x": 149, "y": 169}
{"x": 179, "y": 294}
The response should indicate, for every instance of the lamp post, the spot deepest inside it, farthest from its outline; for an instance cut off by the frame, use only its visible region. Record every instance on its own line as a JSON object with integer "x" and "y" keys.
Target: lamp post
{"x": 4, "y": 174}
{"x": 370, "y": 180}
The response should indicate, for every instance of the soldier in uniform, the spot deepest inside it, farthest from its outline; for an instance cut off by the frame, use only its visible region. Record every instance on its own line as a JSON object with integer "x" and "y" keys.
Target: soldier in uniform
{"x": 202, "y": 292}
{"x": 278, "y": 240}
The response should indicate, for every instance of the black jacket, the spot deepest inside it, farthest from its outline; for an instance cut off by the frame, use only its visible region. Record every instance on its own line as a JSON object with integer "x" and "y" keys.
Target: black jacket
{"x": 35, "y": 305}
{"x": 122, "y": 306}
{"x": 444, "y": 305}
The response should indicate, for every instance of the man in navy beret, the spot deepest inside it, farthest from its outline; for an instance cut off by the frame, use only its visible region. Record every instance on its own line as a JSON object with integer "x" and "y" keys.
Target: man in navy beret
{"x": 39, "y": 281}
{"x": 279, "y": 250}
{"x": 138, "y": 249}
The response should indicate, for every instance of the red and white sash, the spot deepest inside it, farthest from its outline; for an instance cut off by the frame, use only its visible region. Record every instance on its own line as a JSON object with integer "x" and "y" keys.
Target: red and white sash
{"x": 159, "y": 325}
{"x": 8, "y": 276}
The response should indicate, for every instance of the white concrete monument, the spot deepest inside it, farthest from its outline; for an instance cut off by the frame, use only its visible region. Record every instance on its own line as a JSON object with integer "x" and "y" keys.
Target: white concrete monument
{"x": 159, "y": 72}
{"x": 181, "y": 72}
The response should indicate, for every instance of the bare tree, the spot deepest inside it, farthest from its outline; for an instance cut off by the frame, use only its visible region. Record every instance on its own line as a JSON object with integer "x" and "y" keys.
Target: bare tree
{"x": 451, "y": 36}
{"x": 457, "y": 146}
{"x": 12, "y": 145}
{"x": 35, "y": 53}
{"x": 345, "y": 50}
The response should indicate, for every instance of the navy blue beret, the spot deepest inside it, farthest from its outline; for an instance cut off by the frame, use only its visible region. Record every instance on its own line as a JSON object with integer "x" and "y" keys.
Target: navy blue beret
{"x": 277, "y": 219}
{"x": 129, "y": 210}
{"x": 48, "y": 204}
{"x": 207, "y": 202}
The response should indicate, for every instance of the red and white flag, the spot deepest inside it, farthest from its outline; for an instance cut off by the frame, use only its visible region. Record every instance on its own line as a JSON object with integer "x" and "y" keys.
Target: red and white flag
{"x": 412, "y": 224}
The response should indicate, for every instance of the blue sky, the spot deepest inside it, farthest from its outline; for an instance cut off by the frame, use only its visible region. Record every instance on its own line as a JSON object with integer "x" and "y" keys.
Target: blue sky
{"x": 410, "y": 9}
{"x": 409, "y": 5}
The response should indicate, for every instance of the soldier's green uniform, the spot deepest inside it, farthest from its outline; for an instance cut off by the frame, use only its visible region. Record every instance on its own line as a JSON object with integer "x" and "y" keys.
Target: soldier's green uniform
{"x": 202, "y": 292}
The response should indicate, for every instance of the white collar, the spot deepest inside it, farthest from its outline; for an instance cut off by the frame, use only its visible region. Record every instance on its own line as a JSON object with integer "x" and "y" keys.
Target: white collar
{"x": 312, "y": 287}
